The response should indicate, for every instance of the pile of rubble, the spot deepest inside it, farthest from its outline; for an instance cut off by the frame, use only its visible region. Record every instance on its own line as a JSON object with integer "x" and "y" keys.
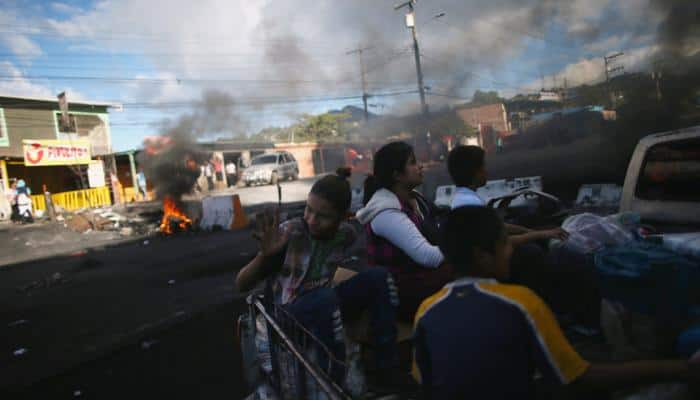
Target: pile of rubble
{"x": 107, "y": 219}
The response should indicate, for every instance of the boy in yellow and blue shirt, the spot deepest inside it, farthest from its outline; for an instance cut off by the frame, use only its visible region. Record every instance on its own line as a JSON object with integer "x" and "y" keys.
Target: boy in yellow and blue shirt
{"x": 478, "y": 338}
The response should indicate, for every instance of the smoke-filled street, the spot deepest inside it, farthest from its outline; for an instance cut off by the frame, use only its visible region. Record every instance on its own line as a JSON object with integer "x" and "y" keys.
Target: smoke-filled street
{"x": 506, "y": 186}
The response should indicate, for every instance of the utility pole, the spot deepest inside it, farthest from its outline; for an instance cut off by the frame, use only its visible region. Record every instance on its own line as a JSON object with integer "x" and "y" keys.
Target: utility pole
{"x": 411, "y": 24}
{"x": 609, "y": 71}
{"x": 364, "y": 81}
{"x": 656, "y": 75}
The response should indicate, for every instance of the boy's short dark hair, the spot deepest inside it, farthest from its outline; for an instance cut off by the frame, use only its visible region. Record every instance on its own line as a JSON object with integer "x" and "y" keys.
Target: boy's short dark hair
{"x": 466, "y": 229}
{"x": 463, "y": 162}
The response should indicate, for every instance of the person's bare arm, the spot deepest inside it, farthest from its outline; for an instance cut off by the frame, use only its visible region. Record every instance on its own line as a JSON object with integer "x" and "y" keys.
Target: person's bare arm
{"x": 516, "y": 229}
{"x": 532, "y": 236}
{"x": 272, "y": 243}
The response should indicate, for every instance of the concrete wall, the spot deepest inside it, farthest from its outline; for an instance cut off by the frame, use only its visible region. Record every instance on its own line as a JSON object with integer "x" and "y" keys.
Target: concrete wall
{"x": 26, "y": 124}
{"x": 33, "y": 122}
{"x": 493, "y": 115}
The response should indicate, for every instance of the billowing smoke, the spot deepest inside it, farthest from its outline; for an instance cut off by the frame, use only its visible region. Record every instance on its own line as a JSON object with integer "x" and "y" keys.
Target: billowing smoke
{"x": 172, "y": 161}
{"x": 679, "y": 33}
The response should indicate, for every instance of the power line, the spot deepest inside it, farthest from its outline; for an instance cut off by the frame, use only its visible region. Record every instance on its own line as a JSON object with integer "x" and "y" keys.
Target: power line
{"x": 114, "y": 79}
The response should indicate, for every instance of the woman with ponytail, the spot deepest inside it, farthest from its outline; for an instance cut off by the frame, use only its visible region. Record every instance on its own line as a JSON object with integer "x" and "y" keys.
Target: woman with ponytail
{"x": 402, "y": 234}
{"x": 298, "y": 260}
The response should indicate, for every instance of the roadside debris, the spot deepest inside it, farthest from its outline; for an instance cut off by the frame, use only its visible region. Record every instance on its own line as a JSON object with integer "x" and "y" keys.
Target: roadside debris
{"x": 54, "y": 279}
{"x": 78, "y": 223}
{"x": 125, "y": 222}
{"x": 77, "y": 393}
{"x": 171, "y": 282}
{"x": 20, "y": 352}
{"x": 17, "y": 323}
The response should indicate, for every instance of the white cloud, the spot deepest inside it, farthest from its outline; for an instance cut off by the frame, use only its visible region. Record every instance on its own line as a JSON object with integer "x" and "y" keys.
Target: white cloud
{"x": 592, "y": 70}
{"x": 65, "y": 8}
{"x": 22, "y": 46}
{"x": 17, "y": 43}
{"x": 18, "y": 85}
{"x": 281, "y": 46}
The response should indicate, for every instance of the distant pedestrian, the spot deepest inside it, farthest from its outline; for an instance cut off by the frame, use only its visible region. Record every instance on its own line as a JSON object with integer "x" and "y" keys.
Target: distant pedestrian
{"x": 143, "y": 184}
{"x": 209, "y": 173}
{"x": 231, "y": 173}
{"x": 6, "y": 208}
{"x": 219, "y": 169}
{"x": 24, "y": 202}
{"x": 11, "y": 194}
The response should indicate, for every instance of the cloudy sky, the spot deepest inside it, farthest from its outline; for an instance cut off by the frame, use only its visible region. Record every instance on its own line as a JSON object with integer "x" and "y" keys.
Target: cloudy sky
{"x": 270, "y": 60}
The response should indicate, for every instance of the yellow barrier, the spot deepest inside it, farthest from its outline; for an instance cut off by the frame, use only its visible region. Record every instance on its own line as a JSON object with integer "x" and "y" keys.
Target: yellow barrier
{"x": 76, "y": 199}
{"x": 39, "y": 202}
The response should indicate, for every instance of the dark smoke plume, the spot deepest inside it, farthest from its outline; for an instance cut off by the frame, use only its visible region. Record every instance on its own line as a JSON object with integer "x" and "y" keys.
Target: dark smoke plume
{"x": 679, "y": 33}
{"x": 172, "y": 161}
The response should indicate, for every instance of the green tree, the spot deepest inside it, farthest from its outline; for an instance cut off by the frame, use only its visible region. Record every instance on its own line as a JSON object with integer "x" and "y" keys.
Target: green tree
{"x": 323, "y": 127}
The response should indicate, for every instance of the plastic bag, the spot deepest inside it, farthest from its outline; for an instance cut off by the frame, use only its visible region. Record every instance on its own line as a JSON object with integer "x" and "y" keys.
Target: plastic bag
{"x": 589, "y": 232}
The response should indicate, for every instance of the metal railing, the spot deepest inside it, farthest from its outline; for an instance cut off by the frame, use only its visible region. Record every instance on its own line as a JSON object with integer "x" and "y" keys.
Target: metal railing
{"x": 295, "y": 353}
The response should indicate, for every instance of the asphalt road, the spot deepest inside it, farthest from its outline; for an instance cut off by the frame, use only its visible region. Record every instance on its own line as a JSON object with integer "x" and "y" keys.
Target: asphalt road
{"x": 194, "y": 359}
{"x": 57, "y": 314}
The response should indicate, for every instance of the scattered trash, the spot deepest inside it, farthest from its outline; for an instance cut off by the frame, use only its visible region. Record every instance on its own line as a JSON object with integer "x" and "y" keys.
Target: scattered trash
{"x": 171, "y": 282}
{"x": 27, "y": 243}
{"x": 17, "y": 323}
{"x": 47, "y": 282}
{"x": 77, "y": 393}
{"x": 20, "y": 352}
{"x": 60, "y": 218}
{"x": 146, "y": 242}
{"x": 147, "y": 344}
{"x": 126, "y": 231}
{"x": 79, "y": 224}
{"x": 180, "y": 313}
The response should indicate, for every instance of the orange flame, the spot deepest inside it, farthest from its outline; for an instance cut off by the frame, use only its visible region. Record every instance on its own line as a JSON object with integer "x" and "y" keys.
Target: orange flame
{"x": 170, "y": 211}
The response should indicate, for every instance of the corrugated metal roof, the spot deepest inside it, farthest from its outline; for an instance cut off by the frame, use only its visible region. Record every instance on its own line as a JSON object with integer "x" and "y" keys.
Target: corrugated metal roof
{"x": 55, "y": 100}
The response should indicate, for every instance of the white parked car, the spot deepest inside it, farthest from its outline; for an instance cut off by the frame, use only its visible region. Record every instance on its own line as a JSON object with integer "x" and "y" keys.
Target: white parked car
{"x": 271, "y": 168}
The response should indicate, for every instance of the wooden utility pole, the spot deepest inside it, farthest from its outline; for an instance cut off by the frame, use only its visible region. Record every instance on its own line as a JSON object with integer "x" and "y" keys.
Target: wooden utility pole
{"x": 411, "y": 24}
{"x": 362, "y": 76}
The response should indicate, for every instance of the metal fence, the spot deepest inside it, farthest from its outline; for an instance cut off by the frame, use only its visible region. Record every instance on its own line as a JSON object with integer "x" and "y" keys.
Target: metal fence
{"x": 301, "y": 365}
